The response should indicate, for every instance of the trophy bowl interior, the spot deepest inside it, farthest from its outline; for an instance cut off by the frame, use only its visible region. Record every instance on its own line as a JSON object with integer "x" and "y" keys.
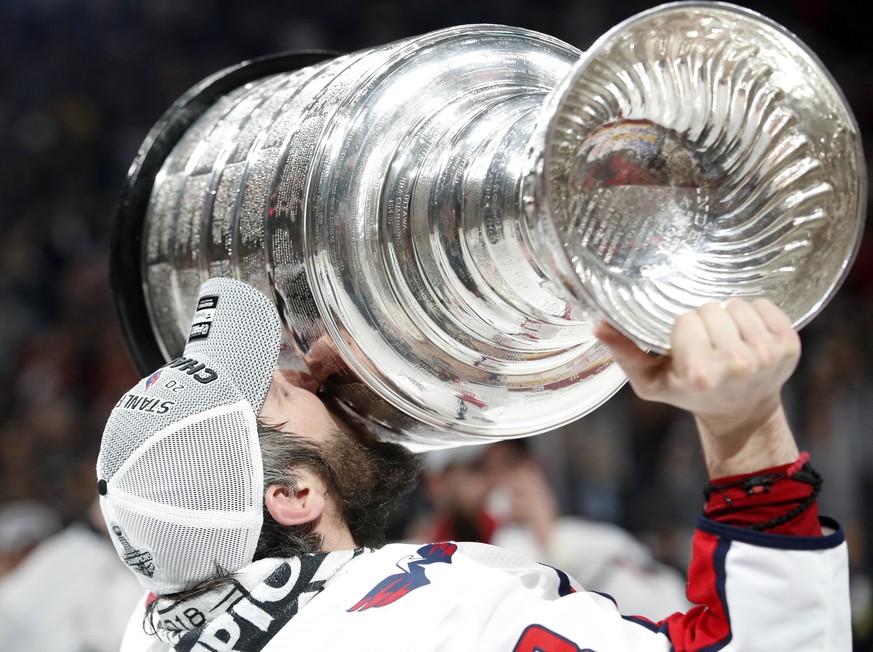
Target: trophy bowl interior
{"x": 697, "y": 152}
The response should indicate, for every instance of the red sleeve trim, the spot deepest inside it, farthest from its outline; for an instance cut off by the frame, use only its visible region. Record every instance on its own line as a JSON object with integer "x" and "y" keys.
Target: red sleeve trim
{"x": 752, "y": 499}
{"x": 706, "y": 626}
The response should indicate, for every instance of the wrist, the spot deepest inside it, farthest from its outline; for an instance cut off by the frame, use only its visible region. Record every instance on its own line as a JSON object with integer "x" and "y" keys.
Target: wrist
{"x": 734, "y": 445}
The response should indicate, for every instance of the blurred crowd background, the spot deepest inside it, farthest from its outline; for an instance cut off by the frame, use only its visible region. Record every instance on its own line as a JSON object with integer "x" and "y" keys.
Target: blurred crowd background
{"x": 82, "y": 82}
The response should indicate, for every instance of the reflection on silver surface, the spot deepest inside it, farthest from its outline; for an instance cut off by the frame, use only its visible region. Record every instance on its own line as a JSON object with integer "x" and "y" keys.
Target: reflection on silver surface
{"x": 441, "y": 220}
{"x": 699, "y": 154}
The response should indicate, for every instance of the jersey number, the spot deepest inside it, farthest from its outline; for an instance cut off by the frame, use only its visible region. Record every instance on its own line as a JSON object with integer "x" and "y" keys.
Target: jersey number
{"x": 536, "y": 638}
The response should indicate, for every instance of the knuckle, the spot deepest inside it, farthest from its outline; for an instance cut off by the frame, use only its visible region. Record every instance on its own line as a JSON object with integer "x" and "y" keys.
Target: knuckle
{"x": 739, "y": 361}
{"x": 768, "y": 356}
{"x": 792, "y": 342}
{"x": 701, "y": 377}
{"x": 783, "y": 348}
{"x": 735, "y": 304}
{"x": 710, "y": 307}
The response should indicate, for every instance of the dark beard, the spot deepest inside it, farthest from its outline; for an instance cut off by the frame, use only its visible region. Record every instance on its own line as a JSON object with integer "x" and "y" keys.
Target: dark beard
{"x": 367, "y": 478}
{"x": 370, "y": 478}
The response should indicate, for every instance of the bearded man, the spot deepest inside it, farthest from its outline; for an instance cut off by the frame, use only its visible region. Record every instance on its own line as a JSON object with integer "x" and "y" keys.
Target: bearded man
{"x": 253, "y": 511}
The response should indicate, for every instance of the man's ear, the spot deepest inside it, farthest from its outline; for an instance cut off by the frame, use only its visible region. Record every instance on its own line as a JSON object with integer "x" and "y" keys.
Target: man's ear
{"x": 289, "y": 507}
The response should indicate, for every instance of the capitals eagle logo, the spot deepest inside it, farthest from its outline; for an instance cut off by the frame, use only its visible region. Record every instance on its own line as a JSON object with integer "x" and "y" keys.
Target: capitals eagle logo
{"x": 394, "y": 587}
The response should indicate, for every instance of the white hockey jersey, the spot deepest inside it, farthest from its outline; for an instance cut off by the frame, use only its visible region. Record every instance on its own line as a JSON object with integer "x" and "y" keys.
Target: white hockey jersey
{"x": 753, "y": 591}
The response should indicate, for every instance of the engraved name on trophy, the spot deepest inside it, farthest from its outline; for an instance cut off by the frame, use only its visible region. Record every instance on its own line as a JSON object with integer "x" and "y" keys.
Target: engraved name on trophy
{"x": 441, "y": 220}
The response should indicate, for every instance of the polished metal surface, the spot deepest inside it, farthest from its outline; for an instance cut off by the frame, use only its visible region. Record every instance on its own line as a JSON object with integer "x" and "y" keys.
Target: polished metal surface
{"x": 699, "y": 152}
{"x": 441, "y": 220}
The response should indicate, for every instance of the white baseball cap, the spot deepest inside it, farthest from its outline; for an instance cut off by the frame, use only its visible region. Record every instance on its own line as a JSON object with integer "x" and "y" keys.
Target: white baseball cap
{"x": 179, "y": 471}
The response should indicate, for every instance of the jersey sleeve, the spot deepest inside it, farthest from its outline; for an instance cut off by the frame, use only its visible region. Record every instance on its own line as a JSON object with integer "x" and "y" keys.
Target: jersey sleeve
{"x": 761, "y": 591}
{"x": 767, "y": 573}
{"x": 753, "y": 592}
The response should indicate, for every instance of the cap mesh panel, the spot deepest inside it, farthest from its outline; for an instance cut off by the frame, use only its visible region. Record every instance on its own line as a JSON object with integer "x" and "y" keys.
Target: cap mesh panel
{"x": 127, "y": 430}
{"x": 206, "y": 465}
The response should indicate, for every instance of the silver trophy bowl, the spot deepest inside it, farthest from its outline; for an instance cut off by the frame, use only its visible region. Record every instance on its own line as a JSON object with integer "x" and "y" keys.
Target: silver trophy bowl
{"x": 442, "y": 220}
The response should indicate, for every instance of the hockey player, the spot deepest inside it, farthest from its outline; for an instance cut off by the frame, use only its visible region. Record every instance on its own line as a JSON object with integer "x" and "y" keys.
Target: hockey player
{"x": 252, "y": 512}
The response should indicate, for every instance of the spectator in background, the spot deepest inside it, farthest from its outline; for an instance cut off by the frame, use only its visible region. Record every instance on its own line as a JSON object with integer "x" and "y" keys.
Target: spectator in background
{"x": 499, "y": 494}
{"x": 23, "y": 525}
{"x": 69, "y": 593}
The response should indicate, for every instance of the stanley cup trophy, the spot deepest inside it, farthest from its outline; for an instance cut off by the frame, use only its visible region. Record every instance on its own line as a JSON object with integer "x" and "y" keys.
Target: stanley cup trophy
{"x": 442, "y": 220}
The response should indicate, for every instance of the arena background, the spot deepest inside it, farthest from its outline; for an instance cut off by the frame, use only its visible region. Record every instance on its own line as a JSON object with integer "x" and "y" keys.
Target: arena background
{"x": 84, "y": 81}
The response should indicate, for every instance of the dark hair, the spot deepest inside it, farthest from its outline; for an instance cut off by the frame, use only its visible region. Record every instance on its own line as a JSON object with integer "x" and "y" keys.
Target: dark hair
{"x": 282, "y": 455}
{"x": 367, "y": 479}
